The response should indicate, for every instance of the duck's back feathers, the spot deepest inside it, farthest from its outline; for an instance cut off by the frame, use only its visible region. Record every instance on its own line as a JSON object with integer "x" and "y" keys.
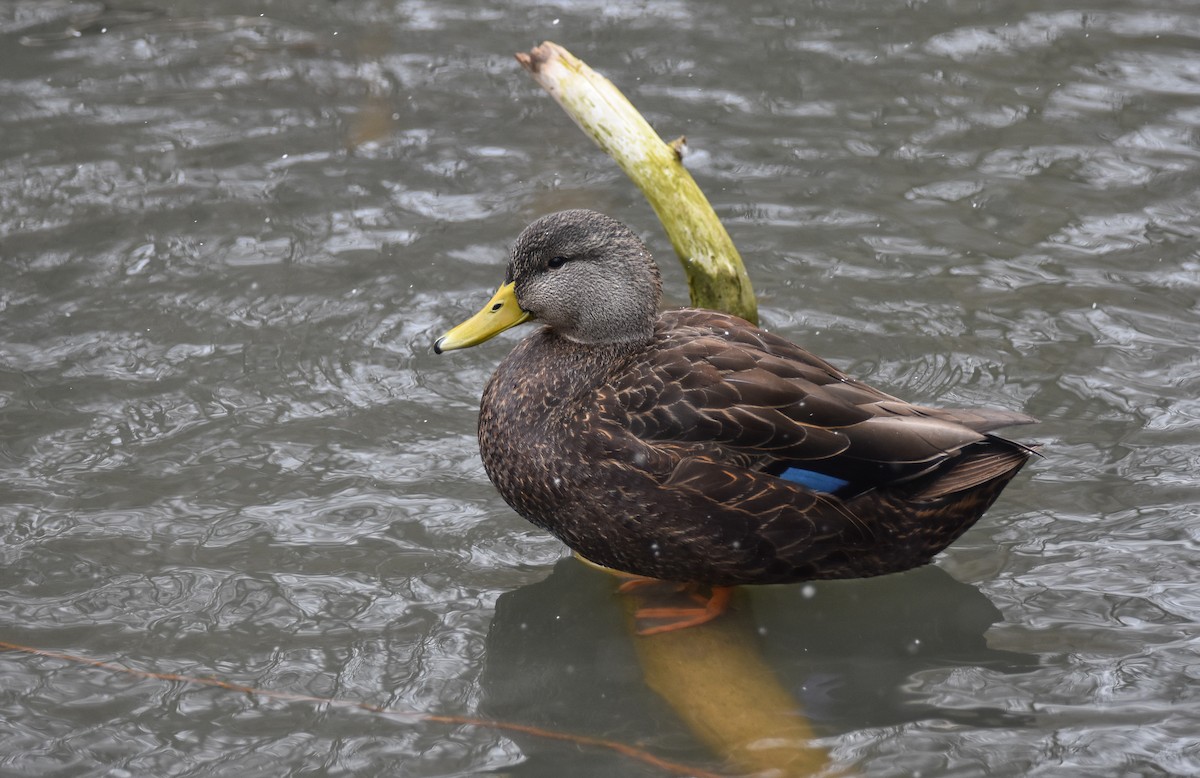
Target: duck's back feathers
{"x": 713, "y": 379}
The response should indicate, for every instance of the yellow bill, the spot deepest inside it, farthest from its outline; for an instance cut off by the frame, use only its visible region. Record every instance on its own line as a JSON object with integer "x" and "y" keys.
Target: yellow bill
{"x": 499, "y": 314}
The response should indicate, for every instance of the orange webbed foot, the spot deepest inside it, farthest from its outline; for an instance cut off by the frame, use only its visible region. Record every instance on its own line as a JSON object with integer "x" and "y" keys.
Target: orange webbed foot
{"x": 706, "y": 609}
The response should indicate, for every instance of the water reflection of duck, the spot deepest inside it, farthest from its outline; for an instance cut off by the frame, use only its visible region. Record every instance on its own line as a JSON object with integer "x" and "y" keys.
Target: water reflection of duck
{"x": 692, "y": 446}
{"x": 851, "y": 652}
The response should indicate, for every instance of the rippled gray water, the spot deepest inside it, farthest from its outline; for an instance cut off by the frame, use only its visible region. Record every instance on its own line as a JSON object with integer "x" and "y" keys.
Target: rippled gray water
{"x": 227, "y": 241}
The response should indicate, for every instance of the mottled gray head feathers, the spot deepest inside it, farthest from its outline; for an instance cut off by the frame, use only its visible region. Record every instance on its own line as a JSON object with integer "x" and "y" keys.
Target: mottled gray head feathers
{"x": 587, "y": 276}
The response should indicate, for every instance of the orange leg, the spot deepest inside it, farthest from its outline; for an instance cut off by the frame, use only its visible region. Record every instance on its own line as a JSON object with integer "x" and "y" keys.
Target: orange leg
{"x": 709, "y": 608}
{"x": 634, "y": 582}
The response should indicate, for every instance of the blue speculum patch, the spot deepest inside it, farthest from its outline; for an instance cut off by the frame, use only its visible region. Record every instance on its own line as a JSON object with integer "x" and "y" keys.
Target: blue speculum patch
{"x": 818, "y": 482}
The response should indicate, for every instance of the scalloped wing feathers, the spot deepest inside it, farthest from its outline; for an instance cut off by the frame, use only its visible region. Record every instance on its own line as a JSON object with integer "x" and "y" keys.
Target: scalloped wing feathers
{"x": 712, "y": 378}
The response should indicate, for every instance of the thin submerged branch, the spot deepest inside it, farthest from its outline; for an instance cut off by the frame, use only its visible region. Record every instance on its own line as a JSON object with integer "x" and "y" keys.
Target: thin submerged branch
{"x": 624, "y": 749}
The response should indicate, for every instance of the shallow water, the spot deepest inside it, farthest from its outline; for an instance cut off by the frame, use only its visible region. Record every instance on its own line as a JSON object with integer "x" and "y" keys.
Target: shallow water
{"x": 226, "y": 450}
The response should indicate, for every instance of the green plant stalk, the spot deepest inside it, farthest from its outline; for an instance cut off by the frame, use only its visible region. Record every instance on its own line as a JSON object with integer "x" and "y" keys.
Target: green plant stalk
{"x": 717, "y": 278}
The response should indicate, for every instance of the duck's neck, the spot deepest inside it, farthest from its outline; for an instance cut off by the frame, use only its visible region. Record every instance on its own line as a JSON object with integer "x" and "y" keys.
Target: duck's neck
{"x": 621, "y": 325}
{"x": 547, "y": 370}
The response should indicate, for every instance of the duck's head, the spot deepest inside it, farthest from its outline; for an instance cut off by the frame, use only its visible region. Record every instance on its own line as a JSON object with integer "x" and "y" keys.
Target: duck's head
{"x": 583, "y": 274}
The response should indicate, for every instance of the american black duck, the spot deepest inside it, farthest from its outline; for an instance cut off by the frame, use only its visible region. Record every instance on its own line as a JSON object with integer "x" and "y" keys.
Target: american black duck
{"x": 691, "y": 446}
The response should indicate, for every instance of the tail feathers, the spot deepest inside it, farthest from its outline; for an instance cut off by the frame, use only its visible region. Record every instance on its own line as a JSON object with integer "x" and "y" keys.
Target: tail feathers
{"x": 988, "y": 460}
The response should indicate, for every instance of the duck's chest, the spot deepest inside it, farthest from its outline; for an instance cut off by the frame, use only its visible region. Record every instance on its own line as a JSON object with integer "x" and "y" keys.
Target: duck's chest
{"x": 536, "y": 423}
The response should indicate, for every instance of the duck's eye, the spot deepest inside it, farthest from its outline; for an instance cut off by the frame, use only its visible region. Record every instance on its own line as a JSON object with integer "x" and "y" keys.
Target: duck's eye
{"x": 556, "y": 262}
